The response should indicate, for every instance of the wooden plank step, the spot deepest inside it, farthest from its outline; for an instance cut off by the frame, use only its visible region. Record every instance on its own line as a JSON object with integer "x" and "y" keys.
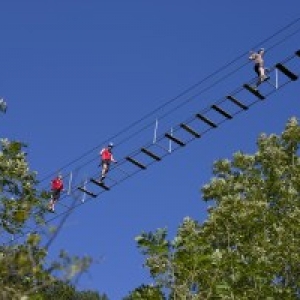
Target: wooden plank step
{"x": 221, "y": 111}
{"x": 151, "y": 154}
{"x": 254, "y": 91}
{"x": 237, "y": 102}
{"x": 206, "y": 120}
{"x": 175, "y": 140}
{"x": 190, "y": 130}
{"x": 286, "y": 72}
{"x": 135, "y": 162}
{"x": 87, "y": 192}
{"x": 101, "y": 184}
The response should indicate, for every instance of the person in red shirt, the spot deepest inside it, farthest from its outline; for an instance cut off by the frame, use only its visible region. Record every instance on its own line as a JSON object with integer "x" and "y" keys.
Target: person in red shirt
{"x": 57, "y": 186}
{"x": 106, "y": 159}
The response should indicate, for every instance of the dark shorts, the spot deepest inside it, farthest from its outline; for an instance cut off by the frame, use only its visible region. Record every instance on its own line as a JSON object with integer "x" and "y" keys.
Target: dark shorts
{"x": 55, "y": 194}
{"x": 105, "y": 162}
{"x": 256, "y": 68}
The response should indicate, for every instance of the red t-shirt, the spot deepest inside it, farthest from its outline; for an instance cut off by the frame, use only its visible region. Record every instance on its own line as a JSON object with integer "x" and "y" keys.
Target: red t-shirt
{"x": 57, "y": 184}
{"x": 105, "y": 154}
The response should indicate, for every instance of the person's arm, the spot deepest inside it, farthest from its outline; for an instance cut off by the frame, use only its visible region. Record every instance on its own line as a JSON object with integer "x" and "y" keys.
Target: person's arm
{"x": 112, "y": 159}
{"x": 62, "y": 187}
{"x": 252, "y": 55}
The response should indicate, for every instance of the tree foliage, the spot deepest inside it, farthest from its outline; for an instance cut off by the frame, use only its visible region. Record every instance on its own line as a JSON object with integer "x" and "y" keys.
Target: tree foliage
{"x": 145, "y": 292}
{"x": 66, "y": 291}
{"x": 23, "y": 271}
{"x": 249, "y": 246}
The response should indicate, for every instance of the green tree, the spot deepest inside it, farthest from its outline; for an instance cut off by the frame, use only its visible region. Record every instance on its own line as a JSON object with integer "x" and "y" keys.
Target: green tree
{"x": 22, "y": 206}
{"x": 66, "y": 291}
{"x": 89, "y": 295}
{"x": 249, "y": 246}
{"x": 18, "y": 194}
{"x": 145, "y": 292}
{"x": 56, "y": 290}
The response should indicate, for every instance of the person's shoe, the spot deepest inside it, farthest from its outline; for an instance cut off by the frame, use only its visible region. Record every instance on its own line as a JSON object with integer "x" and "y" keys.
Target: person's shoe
{"x": 51, "y": 209}
{"x": 102, "y": 178}
{"x": 265, "y": 78}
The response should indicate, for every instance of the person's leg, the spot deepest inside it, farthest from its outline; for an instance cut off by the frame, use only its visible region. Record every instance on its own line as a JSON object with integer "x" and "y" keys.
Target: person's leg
{"x": 263, "y": 76}
{"x": 262, "y": 72}
{"x": 53, "y": 200}
{"x": 104, "y": 169}
{"x": 258, "y": 72}
{"x": 51, "y": 204}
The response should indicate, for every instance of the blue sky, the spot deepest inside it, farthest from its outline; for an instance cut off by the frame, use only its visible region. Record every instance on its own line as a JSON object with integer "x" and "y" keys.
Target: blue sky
{"x": 75, "y": 74}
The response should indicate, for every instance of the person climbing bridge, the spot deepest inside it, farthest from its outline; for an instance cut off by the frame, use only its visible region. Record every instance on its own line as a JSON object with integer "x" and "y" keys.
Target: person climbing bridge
{"x": 57, "y": 186}
{"x": 259, "y": 67}
{"x": 106, "y": 159}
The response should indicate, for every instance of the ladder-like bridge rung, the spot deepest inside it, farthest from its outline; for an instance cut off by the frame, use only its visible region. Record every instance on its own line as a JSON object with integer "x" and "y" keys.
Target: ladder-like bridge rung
{"x": 298, "y": 53}
{"x": 221, "y": 111}
{"x": 87, "y": 192}
{"x": 151, "y": 154}
{"x": 237, "y": 102}
{"x": 286, "y": 72}
{"x": 175, "y": 140}
{"x": 254, "y": 91}
{"x": 135, "y": 162}
{"x": 190, "y": 130}
{"x": 101, "y": 184}
{"x": 207, "y": 121}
